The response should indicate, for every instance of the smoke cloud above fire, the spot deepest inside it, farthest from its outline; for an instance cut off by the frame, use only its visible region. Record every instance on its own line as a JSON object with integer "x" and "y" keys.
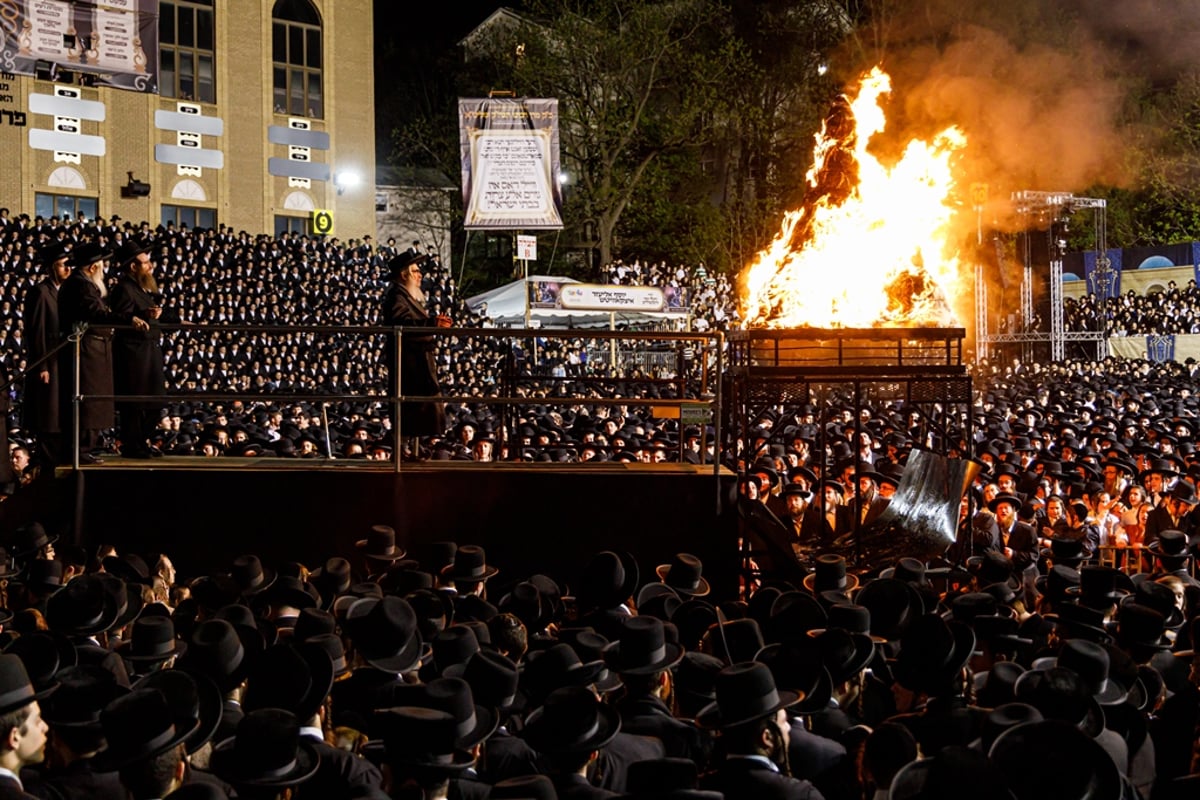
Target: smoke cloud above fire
{"x": 1041, "y": 93}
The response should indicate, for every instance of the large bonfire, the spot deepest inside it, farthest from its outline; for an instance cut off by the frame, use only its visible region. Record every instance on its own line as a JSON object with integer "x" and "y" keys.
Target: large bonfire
{"x": 872, "y": 246}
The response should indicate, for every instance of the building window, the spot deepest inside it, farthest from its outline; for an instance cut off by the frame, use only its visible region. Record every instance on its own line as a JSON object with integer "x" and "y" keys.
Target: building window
{"x": 290, "y": 225}
{"x": 296, "y": 59}
{"x": 190, "y": 216}
{"x": 64, "y": 205}
{"x": 381, "y": 201}
{"x": 185, "y": 52}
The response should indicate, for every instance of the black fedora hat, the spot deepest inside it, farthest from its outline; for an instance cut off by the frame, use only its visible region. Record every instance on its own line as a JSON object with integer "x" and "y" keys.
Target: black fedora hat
{"x": 1141, "y": 629}
{"x": 473, "y": 722}
{"x": 129, "y": 567}
{"x": 469, "y": 566}
{"x": 1170, "y": 544}
{"x": 41, "y": 576}
{"x": 380, "y": 544}
{"x": 683, "y": 573}
{"x": 288, "y": 590}
{"x": 88, "y": 253}
{"x": 571, "y": 720}
{"x": 493, "y": 678}
{"x": 267, "y": 750}
{"x": 384, "y": 630}
{"x": 250, "y": 575}
{"x": 665, "y": 779}
{"x": 1060, "y": 694}
{"x": 1011, "y": 499}
{"x": 189, "y": 695}
{"x": 420, "y": 738}
{"x": 996, "y": 687}
{"x": 894, "y": 605}
{"x": 29, "y": 538}
{"x": 829, "y": 572}
{"x": 642, "y": 648}
{"x": 745, "y": 692}
{"x": 139, "y": 726}
{"x": 222, "y": 651}
{"x": 932, "y": 651}
{"x": 83, "y": 692}
{"x": 296, "y": 678}
{"x": 84, "y": 607}
{"x": 950, "y": 773}
{"x": 798, "y": 667}
{"x": 16, "y": 689}
{"x": 609, "y": 579}
{"x": 1090, "y": 661}
{"x": 1054, "y": 760}
{"x": 151, "y": 639}
{"x": 43, "y": 653}
{"x": 54, "y": 251}
{"x": 843, "y": 653}
{"x": 555, "y": 667}
{"x": 130, "y": 249}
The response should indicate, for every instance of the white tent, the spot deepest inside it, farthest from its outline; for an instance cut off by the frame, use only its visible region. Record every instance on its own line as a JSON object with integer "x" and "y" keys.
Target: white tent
{"x": 506, "y": 307}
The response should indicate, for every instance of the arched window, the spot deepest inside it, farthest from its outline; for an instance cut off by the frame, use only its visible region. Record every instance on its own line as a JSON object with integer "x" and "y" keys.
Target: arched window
{"x": 185, "y": 50}
{"x": 297, "y": 59}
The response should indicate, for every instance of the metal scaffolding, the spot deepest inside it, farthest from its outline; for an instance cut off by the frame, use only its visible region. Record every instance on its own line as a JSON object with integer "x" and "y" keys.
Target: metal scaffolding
{"x": 1047, "y": 212}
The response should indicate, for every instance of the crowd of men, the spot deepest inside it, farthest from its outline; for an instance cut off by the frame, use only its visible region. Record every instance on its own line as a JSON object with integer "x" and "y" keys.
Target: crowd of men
{"x": 377, "y": 675}
{"x": 1174, "y": 310}
{"x": 1046, "y": 652}
{"x": 233, "y": 289}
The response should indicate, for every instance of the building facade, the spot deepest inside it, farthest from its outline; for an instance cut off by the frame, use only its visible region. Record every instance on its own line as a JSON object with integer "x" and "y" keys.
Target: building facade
{"x": 256, "y": 114}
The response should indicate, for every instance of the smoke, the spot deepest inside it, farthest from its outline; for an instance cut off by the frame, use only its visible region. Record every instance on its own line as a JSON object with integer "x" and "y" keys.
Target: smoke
{"x": 1042, "y": 92}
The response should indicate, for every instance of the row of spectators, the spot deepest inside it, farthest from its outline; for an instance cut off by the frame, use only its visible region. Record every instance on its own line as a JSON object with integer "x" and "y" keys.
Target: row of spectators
{"x": 1174, "y": 310}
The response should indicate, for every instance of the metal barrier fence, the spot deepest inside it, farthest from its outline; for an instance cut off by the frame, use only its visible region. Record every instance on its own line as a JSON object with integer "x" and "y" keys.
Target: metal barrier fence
{"x": 501, "y": 374}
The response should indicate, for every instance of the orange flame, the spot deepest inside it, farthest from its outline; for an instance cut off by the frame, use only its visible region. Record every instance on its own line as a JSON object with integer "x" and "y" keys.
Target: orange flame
{"x": 880, "y": 256}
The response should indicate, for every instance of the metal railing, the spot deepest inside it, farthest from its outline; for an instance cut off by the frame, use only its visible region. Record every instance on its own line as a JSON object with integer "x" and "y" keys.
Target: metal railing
{"x": 660, "y": 375}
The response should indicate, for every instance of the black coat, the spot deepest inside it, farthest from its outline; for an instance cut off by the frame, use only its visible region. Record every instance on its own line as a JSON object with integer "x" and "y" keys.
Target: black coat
{"x": 749, "y": 779}
{"x": 10, "y": 790}
{"x": 418, "y": 369}
{"x": 41, "y": 335}
{"x": 574, "y": 787}
{"x": 137, "y": 355}
{"x": 78, "y": 781}
{"x": 339, "y": 772}
{"x": 79, "y": 301}
{"x": 649, "y": 716}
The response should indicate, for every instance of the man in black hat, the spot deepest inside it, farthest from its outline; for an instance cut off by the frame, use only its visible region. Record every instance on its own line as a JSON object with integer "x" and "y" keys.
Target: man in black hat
{"x": 1175, "y": 512}
{"x": 73, "y": 712}
{"x": 404, "y": 304}
{"x": 643, "y": 657}
{"x": 41, "y": 336}
{"x": 137, "y": 355}
{"x": 83, "y": 300}
{"x": 751, "y": 715}
{"x": 22, "y": 730}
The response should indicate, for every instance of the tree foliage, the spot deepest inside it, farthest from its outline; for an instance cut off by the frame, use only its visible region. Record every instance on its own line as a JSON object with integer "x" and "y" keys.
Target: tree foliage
{"x": 636, "y": 80}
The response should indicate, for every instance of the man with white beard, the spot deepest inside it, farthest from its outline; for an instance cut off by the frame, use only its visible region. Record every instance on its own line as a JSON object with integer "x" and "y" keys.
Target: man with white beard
{"x": 137, "y": 355}
{"x": 83, "y": 304}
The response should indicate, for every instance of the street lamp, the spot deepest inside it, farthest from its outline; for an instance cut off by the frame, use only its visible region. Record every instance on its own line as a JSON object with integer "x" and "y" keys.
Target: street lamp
{"x": 346, "y": 179}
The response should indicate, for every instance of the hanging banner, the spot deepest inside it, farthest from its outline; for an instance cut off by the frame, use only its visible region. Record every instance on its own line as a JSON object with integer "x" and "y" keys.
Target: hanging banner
{"x": 1103, "y": 279}
{"x": 108, "y": 43}
{"x": 604, "y": 297}
{"x": 510, "y": 163}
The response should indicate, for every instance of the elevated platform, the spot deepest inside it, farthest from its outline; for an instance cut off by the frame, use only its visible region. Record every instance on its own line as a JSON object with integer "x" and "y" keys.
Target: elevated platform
{"x": 530, "y": 517}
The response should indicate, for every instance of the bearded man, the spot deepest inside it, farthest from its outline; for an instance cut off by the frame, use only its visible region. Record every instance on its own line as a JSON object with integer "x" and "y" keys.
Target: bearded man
{"x": 404, "y": 304}
{"x": 83, "y": 301}
{"x": 137, "y": 355}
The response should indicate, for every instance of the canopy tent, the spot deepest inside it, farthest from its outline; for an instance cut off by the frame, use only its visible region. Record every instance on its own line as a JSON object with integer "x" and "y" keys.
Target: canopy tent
{"x": 506, "y": 308}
